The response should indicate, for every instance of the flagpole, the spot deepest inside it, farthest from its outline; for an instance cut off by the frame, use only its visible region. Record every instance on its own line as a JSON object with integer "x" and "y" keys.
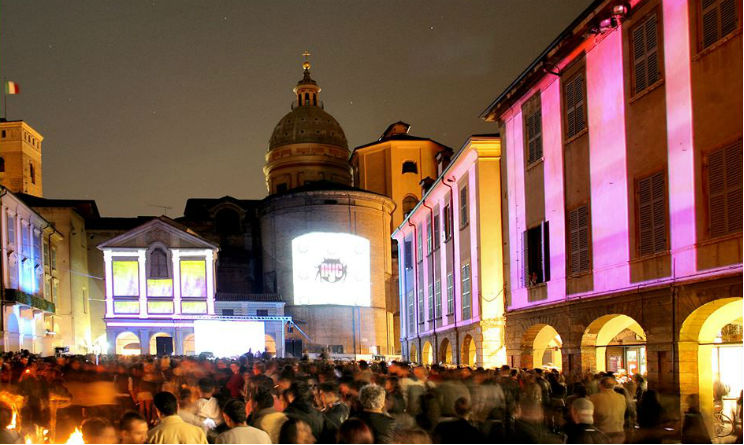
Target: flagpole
{"x": 5, "y": 100}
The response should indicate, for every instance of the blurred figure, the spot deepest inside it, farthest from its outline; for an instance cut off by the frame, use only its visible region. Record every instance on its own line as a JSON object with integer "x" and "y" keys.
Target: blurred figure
{"x": 529, "y": 426}
{"x": 207, "y": 407}
{"x": 372, "y": 398}
{"x": 299, "y": 401}
{"x": 266, "y": 417}
{"x": 172, "y": 429}
{"x": 693, "y": 426}
{"x": 334, "y": 411}
{"x": 98, "y": 430}
{"x": 355, "y": 431}
{"x": 609, "y": 410}
{"x": 6, "y": 435}
{"x": 458, "y": 430}
{"x": 234, "y": 414}
{"x": 582, "y": 429}
{"x": 412, "y": 435}
{"x": 295, "y": 430}
{"x": 132, "y": 428}
{"x": 650, "y": 413}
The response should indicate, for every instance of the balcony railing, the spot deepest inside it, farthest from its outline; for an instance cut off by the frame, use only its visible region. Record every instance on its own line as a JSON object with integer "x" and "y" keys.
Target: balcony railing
{"x": 230, "y": 296}
{"x": 20, "y": 297}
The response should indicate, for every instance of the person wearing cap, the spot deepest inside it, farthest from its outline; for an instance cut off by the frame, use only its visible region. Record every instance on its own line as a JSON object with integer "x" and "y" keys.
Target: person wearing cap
{"x": 583, "y": 429}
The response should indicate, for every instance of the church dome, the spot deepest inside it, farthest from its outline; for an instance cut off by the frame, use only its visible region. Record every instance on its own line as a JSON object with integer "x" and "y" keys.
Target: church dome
{"x": 308, "y": 124}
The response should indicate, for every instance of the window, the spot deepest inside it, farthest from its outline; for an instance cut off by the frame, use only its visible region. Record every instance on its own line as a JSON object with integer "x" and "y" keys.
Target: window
{"x": 645, "y": 42}
{"x": 228, "y": 312}
{"x": 2, "y": 162}
{"x": 158, "y": 264}
{"x": 450, "y": 294}
{"x": 54, "y": 257}
{"x": 463, "y": 206}
{"x": 437, "y": 298}
{"x": 32, "y": 173}
{"x": 719, "y": 19}
{"x": 579, "y": 251}
{"x": 36, "y": 240}
{"x": 4, "y": 133}
{"x": 409, "y": 202}
{"x": 447, "y": 222}
{"x": 467, "y": 312}
{"x": 419, "y": 245}
{"x": 11, "y": 229}
{"x": 437, "y": 233}
{"x": 411, "y": 312}
{"x": 651, "y": 214}
{"x": 725, "y": 189}
{"x": 573, "y": 93}
{"x": 421, "y": 306}
{"x": 262, "y": 312}
{"x": 407, "y": 255}
{"x": 536, "y": 255}
{"x": 428, "y": 237}
{"x": 533, "y": 129}
{"x": 409, "y": 167}
{"x": 430, "y": 298}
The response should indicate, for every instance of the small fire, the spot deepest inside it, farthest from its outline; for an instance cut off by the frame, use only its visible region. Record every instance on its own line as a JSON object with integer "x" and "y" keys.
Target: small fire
{"x": 76, "y": 438}
{"x": 12, "y": 424}
{"x": 28, "y": 440}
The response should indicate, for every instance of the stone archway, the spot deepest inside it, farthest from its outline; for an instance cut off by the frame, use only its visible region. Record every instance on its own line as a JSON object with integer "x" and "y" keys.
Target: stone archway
{"x": 154, "y": 342}
{"x": 189, "y": 345}
{"x": 13, "y": 334}
{"x": 614, "y": 342}
{"x": 427, "y": 354}
{"x": 412, "y": 356}
{"x": 445, "y": 351}
{"x": 468, "y": 353}
{"x": 541, "y": 347}
{"x": 709, "y": 337}
{"x": 127, "y": 343}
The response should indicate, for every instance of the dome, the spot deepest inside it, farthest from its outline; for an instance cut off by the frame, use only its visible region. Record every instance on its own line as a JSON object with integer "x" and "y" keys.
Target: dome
{"x": 308, "y": 124}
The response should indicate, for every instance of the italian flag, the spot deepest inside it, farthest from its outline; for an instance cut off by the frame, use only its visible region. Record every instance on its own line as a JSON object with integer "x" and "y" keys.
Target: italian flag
{"x": 12, "y": 87}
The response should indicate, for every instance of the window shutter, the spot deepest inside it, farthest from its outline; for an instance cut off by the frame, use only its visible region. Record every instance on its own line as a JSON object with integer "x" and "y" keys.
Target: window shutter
{"x": 639, "y": 58}
{"x": 545, "y": 260}
{"x": 579, "y": 103}
{"x": 573, "y": 223}
{"x": 570, "y": 113}
{"x": 734, "y": 187}
{"x": 717, "y": 193}
{"x": 645, "y": 217}
{"x": 525, "y": 275}
{"x": 710, "y": 23}
{"x": 652, "y": 59}
{"x": 583, "y": 232}
{"x": 659, "y": 211}
{"x": 728, "y": 17}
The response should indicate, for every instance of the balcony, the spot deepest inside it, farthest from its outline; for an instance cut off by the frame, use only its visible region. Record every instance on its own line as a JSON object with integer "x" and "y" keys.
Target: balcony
{"x": 229, "y": 296}
{"x": 20, "y": 297}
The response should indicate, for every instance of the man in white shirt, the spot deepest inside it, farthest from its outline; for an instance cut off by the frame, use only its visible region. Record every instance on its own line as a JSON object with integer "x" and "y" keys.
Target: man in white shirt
{"x": 239, "y": 432}
{"x": 207, "y": 407}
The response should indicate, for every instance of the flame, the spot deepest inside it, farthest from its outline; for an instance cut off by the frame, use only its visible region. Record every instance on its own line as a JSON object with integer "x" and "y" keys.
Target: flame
{"x": 12, "y": 424}
{"x": 28, "y": 439}
{"x": 76, "y": 438}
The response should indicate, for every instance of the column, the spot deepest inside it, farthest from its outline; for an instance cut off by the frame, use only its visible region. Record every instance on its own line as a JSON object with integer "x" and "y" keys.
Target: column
{"x": 176, "y": 264}
{"x": 109, "y": 283}
{"x": 141, "y": 254}
{"x": 210, "y": 282}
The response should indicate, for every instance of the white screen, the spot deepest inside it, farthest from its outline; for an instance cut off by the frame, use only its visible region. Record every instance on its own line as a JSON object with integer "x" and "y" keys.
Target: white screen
{"x": 331, "y": 268}
{"x": 228, "y": 338}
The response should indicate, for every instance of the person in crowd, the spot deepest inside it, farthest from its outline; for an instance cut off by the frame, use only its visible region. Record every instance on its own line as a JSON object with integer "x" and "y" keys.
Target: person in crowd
{"x": 171, "y": 428}
{"x": 187, "y": 409}
{"x": 411, "y": 435}
{"x": 98, "y": 430}
{"x": 458, "y": 430}
{"x": 582, "y": 429}
{"x": 650, "y": 418}
{"x": 372, "y": 398}
{"x": 132, "y": 428}
{"x": 266, "y": 417}
{"x": 235, "y": 382}
{"x": 609, "y": 410}
{"x": 296, "y": 430}
{"x": 234, "y": 413}
{"x": 529, "y": 425}
{"x": 207, "y": 407}
{"x": 334, "y": 411}
{"x": 299, "y": 402}
{"x": 354, "y": 430}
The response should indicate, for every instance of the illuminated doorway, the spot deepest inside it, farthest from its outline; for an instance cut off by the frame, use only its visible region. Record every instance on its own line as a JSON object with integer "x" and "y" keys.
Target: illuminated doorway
{"x": 127, "y": 343}
{"x": 427, "y": 354}
{"x": 468, "y": 351}
{"x": 615, "y": 343}
{"x": 445, "y": 349}
{"x": 189, "y": 345}
{"x": 412, "y": 354}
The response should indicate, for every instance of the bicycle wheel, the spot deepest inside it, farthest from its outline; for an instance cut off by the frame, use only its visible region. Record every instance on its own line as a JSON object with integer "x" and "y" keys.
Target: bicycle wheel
{"x": 724, "y": 426}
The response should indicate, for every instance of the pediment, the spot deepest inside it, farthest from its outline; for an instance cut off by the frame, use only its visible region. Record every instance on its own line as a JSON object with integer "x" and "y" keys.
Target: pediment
{"x": 159, "y": 230}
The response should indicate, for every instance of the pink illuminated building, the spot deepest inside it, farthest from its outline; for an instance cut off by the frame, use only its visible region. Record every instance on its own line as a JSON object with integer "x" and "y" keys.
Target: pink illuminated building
{"x": 622, "y": 147}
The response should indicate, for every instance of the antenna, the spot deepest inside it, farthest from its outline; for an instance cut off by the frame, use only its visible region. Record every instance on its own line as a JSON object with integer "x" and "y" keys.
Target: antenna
{"x": 161, "y": 206}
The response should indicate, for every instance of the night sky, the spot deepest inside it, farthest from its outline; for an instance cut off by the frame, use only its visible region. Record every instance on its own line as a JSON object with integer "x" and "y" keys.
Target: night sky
{"x": 147, "y": 103}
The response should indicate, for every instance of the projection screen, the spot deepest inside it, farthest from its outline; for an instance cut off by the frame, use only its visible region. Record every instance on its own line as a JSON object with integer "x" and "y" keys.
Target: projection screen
{"x": 228, "y": 338}
{"x": 331, "y": 268}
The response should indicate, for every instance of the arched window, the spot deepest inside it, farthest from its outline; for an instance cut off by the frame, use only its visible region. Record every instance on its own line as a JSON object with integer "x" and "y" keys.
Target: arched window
{"x": 158, "y": 264}
{"x": 315, "y": 100}
{"x": 31, "y": 172}
{"x": 409, "y": 202}
{"x": 410, "y": 167}
{"x": 2, "y": 165}
{"x": 228, "y": 222}
{"x": 307, "y": 98}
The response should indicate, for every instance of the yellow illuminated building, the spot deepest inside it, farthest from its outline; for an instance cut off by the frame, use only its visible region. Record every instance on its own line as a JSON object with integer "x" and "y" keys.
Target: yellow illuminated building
{"x": 20, "y": 158}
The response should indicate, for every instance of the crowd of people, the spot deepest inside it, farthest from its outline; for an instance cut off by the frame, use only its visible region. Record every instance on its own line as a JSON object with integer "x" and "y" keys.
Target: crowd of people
{"x": 270, "y": 400}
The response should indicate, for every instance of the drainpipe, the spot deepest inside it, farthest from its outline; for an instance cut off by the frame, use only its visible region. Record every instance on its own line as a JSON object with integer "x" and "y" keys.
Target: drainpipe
{"x": 3, "y": 263}
{"x": 415, "y": 287}
{"x": 447, "y": 182}
{"x": 436, "y": 340}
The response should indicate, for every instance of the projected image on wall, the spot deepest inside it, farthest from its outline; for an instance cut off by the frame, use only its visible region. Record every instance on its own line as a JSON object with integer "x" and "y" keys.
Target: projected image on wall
{"x": 193, "y": 278}
{"x": 126, "y": 278}
{"x": 331, "y": 268}
{"x": 210, "y": 335}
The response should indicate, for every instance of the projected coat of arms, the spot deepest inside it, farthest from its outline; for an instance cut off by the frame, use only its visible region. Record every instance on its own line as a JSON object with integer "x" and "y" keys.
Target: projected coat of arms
{"x": 331, "y": 268}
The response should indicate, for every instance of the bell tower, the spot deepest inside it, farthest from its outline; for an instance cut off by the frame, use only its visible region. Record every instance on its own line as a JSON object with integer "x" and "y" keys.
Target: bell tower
{"x": 20, "y": 158}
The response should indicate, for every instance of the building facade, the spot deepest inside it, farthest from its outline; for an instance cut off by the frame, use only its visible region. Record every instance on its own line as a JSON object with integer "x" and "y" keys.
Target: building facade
{"x": 623, "y": 154}
{"x": 450, "y": 267}
{"x": 20, "y": 157}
